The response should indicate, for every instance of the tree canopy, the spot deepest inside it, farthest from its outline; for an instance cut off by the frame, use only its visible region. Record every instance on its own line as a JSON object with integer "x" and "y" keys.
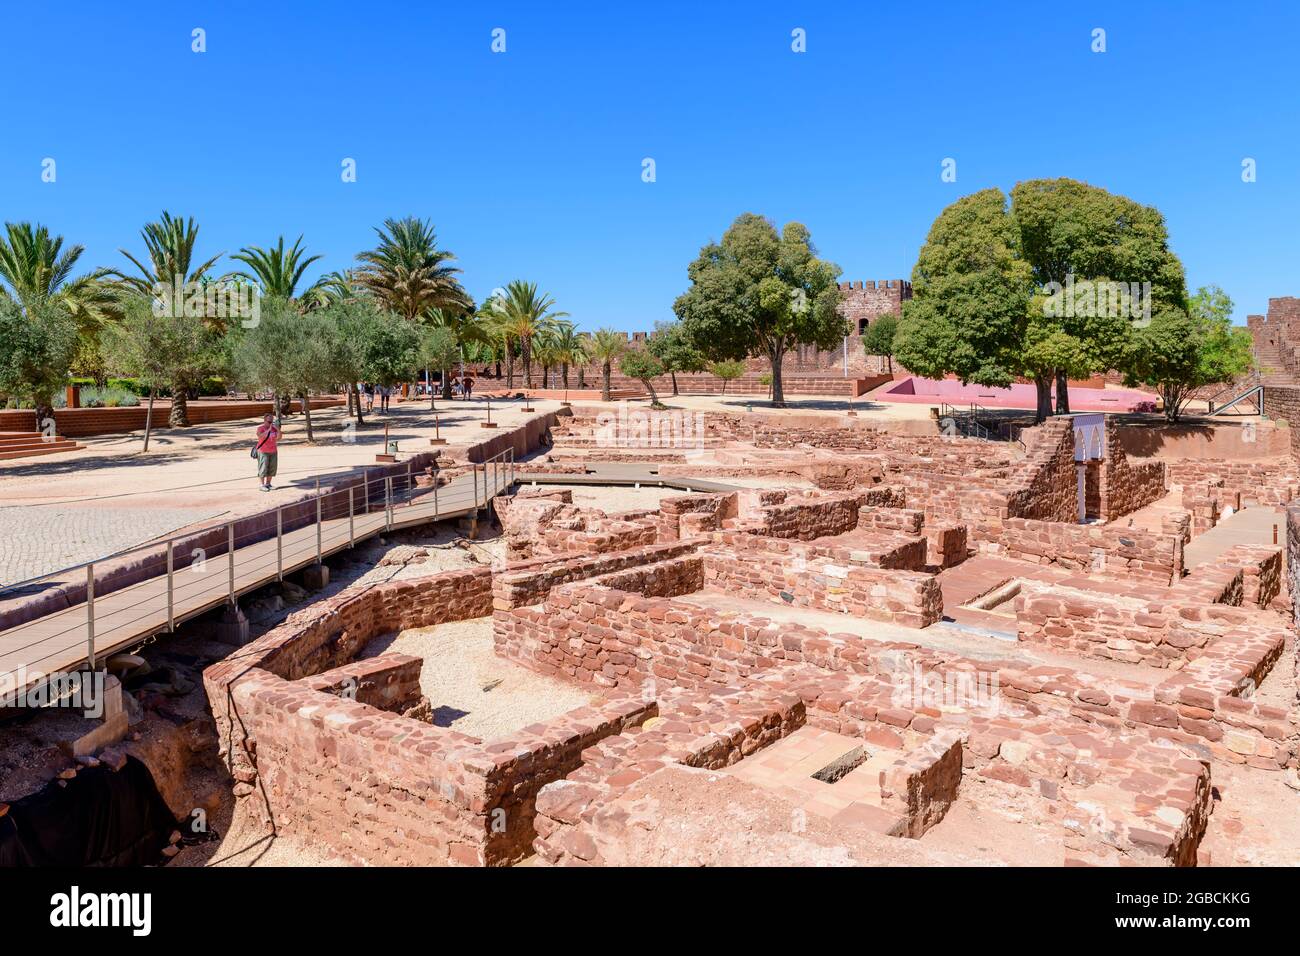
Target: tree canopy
{"x": 761, "y": 293}
{"x": 1181, "y": 352}
{"x": 1038, "y": 287}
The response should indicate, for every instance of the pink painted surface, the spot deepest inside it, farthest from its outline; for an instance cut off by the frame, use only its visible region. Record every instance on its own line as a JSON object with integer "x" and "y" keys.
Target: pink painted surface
{"x": 927, "y": 390}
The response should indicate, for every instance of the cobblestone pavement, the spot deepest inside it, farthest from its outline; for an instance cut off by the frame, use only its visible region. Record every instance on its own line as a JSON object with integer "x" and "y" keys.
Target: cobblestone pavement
{"x": 36, "y": 540}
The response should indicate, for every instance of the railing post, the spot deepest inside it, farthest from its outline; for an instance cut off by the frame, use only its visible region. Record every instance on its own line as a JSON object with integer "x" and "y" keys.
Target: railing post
{"x": 90, "y": 614}
{"x": 318, "y": 529}
{"x": 279, "y": 544}
{"x": 230, "y": 555}
{"x": 365, "y": 487}
{"x": 436, "y": 512}
{"x": 410, "y": 490}
{"x": 388, "y": 503}
{"x": 352, "y": 530}
{"x": 171, "y": 568}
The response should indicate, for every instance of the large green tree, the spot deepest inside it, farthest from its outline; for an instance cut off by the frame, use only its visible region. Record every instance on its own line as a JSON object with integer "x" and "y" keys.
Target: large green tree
{"x": 761, "y": 293}
{"x": 1024, "y": 289}
{"x": 1180, "y": 352}
{"x": 1084, "y": 236}
{"x": 969, "y": 310}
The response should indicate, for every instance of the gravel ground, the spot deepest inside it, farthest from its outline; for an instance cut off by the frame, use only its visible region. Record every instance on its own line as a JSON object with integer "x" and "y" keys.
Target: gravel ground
{"x": 471, "y": 689}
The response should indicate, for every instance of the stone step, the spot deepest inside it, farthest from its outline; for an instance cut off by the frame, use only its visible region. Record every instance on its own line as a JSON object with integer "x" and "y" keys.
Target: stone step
{"x": 39, "y": 448}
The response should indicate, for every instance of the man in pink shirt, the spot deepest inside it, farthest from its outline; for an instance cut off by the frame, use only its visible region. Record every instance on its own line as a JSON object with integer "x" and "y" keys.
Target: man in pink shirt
{"x": 268, "y": 438}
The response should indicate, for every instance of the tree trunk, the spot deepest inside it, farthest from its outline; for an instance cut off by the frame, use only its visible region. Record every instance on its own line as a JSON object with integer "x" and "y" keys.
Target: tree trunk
{"x": 510, "y": 366}
{"x": 775, "y": 354}
{"x": 526, "y": 349}
{"x": 498, "y": 368}
{"x": 179, "y": 416}
{"x": 148, "y": 419}
{"x": 1062, "y": 393}
{"x": 673, "y": 374}
{"x": 564, "y": 373}
{"x": 1043, "y": 386}
{"x": 306, "y": 417}
{"x": 604, "y": 384}
{"x": 650, "y": 387}
{"x": 446, "y": 386}
{"x": 582, "y": 378}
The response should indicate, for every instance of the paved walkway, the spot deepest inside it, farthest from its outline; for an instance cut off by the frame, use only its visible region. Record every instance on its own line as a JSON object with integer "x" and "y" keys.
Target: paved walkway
{"x": 1253, "y": 525}
{"x": 60, "y": 510}
{"x": 69, "y": 639}
{"x": 38, "y": 541}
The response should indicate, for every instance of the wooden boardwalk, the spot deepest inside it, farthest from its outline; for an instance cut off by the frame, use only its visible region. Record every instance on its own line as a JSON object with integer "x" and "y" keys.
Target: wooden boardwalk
{"x": 72, "y": 638}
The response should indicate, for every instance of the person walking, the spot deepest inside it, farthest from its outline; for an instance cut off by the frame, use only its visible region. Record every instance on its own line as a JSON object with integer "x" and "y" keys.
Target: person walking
{"x": 267, "y": 450}
{"x": 384, "y": 393}
{"x": 468, "y": 385}
{"x": 370, "y": 397}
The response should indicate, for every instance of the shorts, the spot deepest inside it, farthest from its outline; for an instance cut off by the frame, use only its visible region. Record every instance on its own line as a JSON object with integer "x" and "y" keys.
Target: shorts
{"x": 266, "y": 462}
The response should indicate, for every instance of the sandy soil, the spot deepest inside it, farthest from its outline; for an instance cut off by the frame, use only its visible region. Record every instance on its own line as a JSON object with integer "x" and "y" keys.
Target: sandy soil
{"x": 685, "y": 817}
{"x": 471, "y": 689}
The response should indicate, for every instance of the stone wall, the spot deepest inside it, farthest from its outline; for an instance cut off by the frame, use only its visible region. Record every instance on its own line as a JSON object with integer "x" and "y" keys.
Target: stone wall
{"x": 900, "y": 597}
{"x": 1142, "y": 554}
{"x": 1125, "y": 486}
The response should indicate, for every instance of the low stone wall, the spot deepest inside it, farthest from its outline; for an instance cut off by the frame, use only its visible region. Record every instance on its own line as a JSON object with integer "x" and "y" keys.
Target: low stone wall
{"x": 329, "y": 765}
{"x": 530, "y": 582}
{"x": 1144, "y": 555}
{"x": 900, "y": 597}
{"x": 1265, "y": 482}
{"x": 1126, "y": 486}
{"x": 88, "y": 422}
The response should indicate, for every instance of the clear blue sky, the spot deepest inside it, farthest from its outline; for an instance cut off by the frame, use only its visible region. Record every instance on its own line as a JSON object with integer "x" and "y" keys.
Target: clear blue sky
{"x": 529, "y": 162}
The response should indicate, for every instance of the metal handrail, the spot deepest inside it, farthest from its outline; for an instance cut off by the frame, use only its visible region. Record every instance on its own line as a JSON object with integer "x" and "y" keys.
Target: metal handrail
{"x": 498, "y": 475}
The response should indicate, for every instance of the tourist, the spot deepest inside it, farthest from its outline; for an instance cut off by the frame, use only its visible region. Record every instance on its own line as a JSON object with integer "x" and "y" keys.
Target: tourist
{"x": 384, "y": 393}
{"x": 455, "y": 387}
{"x": 468, "y": 386}
{"x": 370, "y": 397}
{"x": 266, "y": 453}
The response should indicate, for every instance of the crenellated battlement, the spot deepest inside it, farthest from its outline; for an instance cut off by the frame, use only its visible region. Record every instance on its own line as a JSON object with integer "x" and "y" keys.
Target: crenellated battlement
{"x": 902, "y": 286}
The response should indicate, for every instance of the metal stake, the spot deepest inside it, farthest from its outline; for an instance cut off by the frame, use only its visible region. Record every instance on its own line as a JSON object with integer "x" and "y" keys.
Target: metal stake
{"x": 230, "y": 562}
{"x": 279, "y": 544}
{"x": 171, "y": 567}
{"x": 318, "y": 529}
{"x": 352, "y": 531}
{"x": 90, "y": 614}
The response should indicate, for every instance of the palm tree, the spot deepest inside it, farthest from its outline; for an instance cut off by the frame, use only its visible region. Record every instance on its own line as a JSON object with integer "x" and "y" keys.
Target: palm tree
{"x": 330, "y": 288}
{"x": 35, "y": 269}
{"x": 546, "y": 350}
{"x": 570, "y": 349}
{"x": 496, "y": 328}
{"x": 466, "y": 325}
{"x": 606, "y": 346}
{"x": 527, "y": 312}
{"x": 278, "y": 271}
{"x": 169, "y": 247}
{"x": 407, "y": 271}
